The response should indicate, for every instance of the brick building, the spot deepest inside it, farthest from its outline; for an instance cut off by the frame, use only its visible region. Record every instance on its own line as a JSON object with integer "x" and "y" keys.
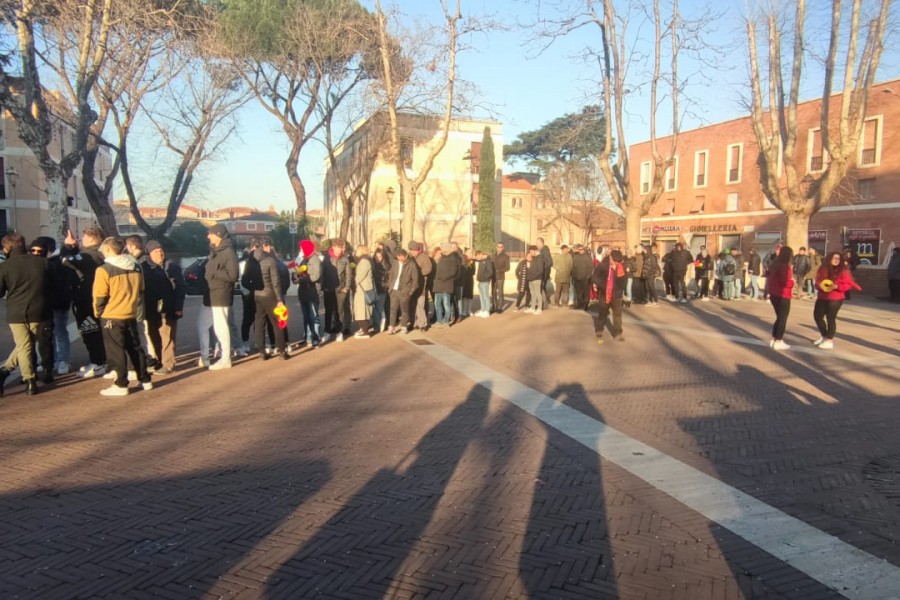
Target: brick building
{"x": 712, "y": 195}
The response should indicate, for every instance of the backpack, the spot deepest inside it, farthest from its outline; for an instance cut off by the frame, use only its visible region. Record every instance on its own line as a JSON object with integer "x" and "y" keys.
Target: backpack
{"x": 728, "y": 269}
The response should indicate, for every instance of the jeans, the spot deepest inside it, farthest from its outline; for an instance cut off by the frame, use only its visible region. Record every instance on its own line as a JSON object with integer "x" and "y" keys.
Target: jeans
{"x": 378, "y": 311}
{"x": 754, "y": 287}
{"x": 729, "y": 288}
{"x": 484, "y": 293}
{"x": 497, "y": 292}
{"x": 628, "y": 286}
{"x": 442, "y": 307}
{"x": 61, "y": 336}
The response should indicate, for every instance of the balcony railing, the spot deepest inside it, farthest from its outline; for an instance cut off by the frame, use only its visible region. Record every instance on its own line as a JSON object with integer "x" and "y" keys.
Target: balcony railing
{"x": 734, "y": 175}
{"x": 868, "y": 156}
{"x": 701, "y": 179}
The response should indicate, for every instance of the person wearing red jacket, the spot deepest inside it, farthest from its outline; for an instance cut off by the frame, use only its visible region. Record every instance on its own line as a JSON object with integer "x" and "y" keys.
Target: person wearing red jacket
{"x": 833, "y": 281}
{"x": 781, "y": 285}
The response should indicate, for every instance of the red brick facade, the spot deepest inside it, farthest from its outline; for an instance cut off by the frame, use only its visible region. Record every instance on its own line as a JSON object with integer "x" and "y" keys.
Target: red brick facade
{"x": 714, "y": 196}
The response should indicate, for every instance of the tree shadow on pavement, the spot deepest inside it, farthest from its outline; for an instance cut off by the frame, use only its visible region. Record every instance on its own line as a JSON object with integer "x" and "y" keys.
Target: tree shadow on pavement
{"x": 567, "y": 543}
{"x": 362, "y": 548}
{"x": 177, "y": 537}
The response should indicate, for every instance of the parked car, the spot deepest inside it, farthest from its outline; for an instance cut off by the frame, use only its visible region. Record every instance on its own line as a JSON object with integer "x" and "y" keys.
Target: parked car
{"x": 195, "y": 274}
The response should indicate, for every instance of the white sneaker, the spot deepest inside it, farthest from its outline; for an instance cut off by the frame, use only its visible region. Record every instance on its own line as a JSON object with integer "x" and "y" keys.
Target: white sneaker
{"x": 780, "y": 345}
{"x": 114, "y": 390}
{"x": 704, "y": 299}
{"x": 771, "y": 342}
{"x": 325, "y": 337}
{"x": 361, "y": 335}
{"x": 218, "y": 366}
{"x": 147, "y": 385}
{"x": 538, "y": 311}
{"x": 819, "y": 341}
{"x": 683, "y": 300}
{"x": 132, "y": 375}
{"x": 529, "y": 310}
{"x": 242, "y": 350}
{"x": 91, "y": 370}
{"x": 827, "y": 345}
{"x": 62, "y": 368}
{"x": 202, "y": 363}
{"x": 339, "y": 338}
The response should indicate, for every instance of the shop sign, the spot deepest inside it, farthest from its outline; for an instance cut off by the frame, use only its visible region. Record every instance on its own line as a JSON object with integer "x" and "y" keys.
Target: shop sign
{"x": 667, "y": 229}
{"x": 818, "y": 236}
{"x": 727, "y": 228}
{"x": 866, "y": 243}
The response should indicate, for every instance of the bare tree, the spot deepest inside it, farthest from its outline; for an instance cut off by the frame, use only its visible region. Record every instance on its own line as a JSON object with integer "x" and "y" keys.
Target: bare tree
{"x": 620, "y": 55}
{"x": 24, "y": 95}
{"x": 774, "y": 111}
{"x": 395, "y": 77}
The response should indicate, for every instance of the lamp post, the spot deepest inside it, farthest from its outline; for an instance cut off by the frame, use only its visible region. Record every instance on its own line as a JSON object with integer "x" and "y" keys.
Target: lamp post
{"x": 12, "y": 176}
{"x": 390, "y": 198}
{"x": 469, "y": 157}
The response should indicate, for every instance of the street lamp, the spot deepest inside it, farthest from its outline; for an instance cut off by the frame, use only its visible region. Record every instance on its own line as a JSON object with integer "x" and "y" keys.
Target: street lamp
{"x": 470, "y": 158}
{"x": 12, "y": 176}
{"x": 390, "y": 198}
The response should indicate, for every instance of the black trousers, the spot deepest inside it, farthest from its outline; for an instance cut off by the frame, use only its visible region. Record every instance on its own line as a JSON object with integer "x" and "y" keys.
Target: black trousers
{"x": 248, "y": 316}
{"x": 825, "y": 314}
{"x": 332, "y": 322}
{"x": 345, "y": 318}
{"x": 894, "y": 287}
{"x": 679, "y": 289}
{"x": 123, "y": 343}
{"x": 703, "y": 285}
{"x": 89, "y": 327}
{"x": 265, "y": 314}
{"x": 399, "y": 309}
{"x": 497, "y": 293}
{"x": 650, "y": 289}
{"x": 782, "y": 308}
{"x": 582, "y": 293}
{"x": 603, "y": 310}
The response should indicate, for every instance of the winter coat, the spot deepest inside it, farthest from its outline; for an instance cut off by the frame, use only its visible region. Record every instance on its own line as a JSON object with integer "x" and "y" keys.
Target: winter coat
{"x": 406, "y": 278}
{"x": 344, "y": 273}
{"x": 364, "y": 294}
{"x": 630, "y": 266}
{"x": 522, "y": 276}
{"x": 468, "y": 285}
{"x": 893, "y": 270}
{"x": 445, "y": 275}
{"x": 485, "y": 270}
{"x": 721, "y": 274}
{"x": 222, "y": 273}
{"x": 563, "y": 263}
{"x": 536, "y": 268}
{"x": 582, "y": 266}
{"x": 546, "y": 260}
{"x": 703, "y": 265}
{"x": 25, "y": 281}
{"x": 754, "y": 264}
{"x": 638, "y": 265}
{"x": 308, "y": 282}
{"x": 815, "y": 263}
{"x": 600, "y": 278}
{"x": 801, "y": 265}
{"x": 680, "y": 259}
{"x": 781, "y": 280}
{"x": 84, "y": 264}
{"x": 651, "y": 267}
{"x": 501, "y": 265}
{"x": 119, "y": 289}
{"x": 380, "y": 272}
{"x": 62, "y": 282}
{"x": 163, "y": 289}
{"x": 270, "y": 278}
{"x": 426, "y": 271}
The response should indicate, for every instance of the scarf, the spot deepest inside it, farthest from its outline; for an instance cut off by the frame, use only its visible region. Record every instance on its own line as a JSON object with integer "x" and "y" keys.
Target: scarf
{"x": 615, "y": 270}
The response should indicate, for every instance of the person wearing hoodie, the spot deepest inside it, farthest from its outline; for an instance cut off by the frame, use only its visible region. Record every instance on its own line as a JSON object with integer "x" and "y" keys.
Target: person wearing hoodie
{"x": 268, "y": 297}
{"x": 118, "y": 302}
{"x": 84, "y": 262}
{"x": 221, "y": 275}
{"x": 307, "y": 275}
{"x": 59, "y": 299}
{"x": 25, "y": 282}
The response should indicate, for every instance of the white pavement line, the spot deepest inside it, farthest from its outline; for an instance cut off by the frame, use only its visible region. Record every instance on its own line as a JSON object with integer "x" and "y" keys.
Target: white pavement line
{"x": 865, "y": 359}
{"x": 848, "y": 570}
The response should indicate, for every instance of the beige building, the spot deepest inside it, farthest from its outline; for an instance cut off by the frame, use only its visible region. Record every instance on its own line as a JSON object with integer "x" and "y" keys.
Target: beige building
{"x": 446, "y": 202}
{"x": 24, "y": 205}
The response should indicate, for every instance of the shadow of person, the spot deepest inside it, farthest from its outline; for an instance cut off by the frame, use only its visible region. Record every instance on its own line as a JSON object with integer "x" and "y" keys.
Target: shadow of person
{"x": 361, "y": 548}
{"x": 169, "y": 537}
{"x": 567, "y": 539}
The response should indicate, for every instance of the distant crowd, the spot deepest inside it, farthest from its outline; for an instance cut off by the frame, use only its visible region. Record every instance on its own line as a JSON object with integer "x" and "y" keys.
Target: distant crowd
{"x": 127, "y": 297}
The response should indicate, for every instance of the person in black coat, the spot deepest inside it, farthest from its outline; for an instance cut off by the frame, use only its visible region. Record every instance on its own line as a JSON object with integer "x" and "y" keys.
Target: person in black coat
{"x": 501, "y": 266}
{"x": 53, "y": 333}
{"x": 268, "y": 296}
{"x": 445, "y": 274}
{"x": 221, "y": 275}
{"x": 535, "y": 277}
{"x": 609, "y": 279}
{"x": 649, "y": 273}
{"x": 25, "y": 282}
{"x": 164, "y": 292}
{"x": 679, "y": 260}
{"x": 402, "y": 282}
{"x": 84, "y": 262}
{"x": 582, "y": 268}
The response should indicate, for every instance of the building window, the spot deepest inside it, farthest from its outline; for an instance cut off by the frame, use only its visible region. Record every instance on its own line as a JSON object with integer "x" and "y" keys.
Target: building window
{"x": 517, "y": 202}
{"x": 557, "y": 238}
{"x": 866, "y": 190}
{"x": 672, "y": 176}
{"x": 698, "y": 205}
{"x": 270, "y": 227}
{"x": 735, "y": 159}
{"x": 669, "y": 208}
{"x": 406, "y": 152}
{"x": 870, "y": 143}
{"x": 251, "y": 226}
{"x": 731, "y": 202}
{"x": 540, "y": 202}
{"x": 701, "y": 166}
{"x": 646, "y": 176}
{"x": 815, "y": 151}
{"x": 541, "y": 225}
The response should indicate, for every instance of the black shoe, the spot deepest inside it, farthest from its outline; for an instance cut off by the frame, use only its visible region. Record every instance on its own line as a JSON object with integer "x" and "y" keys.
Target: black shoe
{"x": 285, "y": 355}
{"x": 264, "y": 356}
{"x": 31, "y": 387}
{"x": 4, "y": 373}
{"x": 48, "y": 376}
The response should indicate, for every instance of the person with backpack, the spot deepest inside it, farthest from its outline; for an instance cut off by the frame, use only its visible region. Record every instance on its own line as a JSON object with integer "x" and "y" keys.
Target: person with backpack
{"x": 728, "y": 268}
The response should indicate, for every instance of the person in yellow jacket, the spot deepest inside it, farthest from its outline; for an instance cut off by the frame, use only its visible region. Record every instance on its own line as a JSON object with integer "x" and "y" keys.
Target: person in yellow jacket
{"x": 118, "y": 303}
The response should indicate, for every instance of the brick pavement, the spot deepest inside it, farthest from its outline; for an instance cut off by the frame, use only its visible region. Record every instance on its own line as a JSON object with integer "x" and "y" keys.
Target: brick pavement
{"x": 368, "y": 470}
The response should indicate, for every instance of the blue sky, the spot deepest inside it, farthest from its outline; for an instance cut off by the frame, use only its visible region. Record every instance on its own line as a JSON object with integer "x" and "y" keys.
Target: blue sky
{"x": 524, "y": 93}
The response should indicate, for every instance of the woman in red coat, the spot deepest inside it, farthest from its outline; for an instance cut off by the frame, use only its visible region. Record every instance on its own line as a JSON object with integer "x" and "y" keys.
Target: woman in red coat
{"x": 833, "y": 281}
{"x": 781, "y": 284}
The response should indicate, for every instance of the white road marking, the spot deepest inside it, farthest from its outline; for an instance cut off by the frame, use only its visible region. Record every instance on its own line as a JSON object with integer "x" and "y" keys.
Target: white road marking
{"x": 848, "y": 570}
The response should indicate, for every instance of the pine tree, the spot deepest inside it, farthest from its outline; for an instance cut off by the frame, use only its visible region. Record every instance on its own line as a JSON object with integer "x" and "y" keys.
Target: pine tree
{"x": 485, "y": 236}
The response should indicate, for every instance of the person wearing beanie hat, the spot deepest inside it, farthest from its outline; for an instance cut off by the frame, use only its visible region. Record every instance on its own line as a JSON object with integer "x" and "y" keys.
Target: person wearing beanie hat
{"x": 307, "y": 274}
{"x": 609, "y": 279}
{"x": 164, "y": 292}
{"x": 221, "y": 273}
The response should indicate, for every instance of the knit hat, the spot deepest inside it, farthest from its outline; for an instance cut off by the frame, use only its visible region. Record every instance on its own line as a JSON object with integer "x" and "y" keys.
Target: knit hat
{"x": 151, "y": 246}
{"x": 219, "y": 230}
{"x": 446, "y": 248}
{"x": 47, "y": 244}
{"x": 307, "y": 248}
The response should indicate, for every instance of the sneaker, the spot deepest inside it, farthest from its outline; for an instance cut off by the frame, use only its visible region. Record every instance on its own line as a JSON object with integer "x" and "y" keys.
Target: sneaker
{"x": 147, "y": 386}
{"x": 132, "y": 375}
{"x": 538, "y": 311}
{"x": 218, "y": 366}
{"x": 242, "y": 350}
{"x": 819, "y": 341}
{"x": 114, "y": 390}
{"x": 325, "y": 338}
{"x": 202, "y": 363}
{"x": 91, "y": 370}
{"x": 62, "y": 368}
{"x": 165, "y": 371}
{"x": 529, "y": 310}
{"x": 780, "y": 345}
{"x": 683, "y": 300}
{"x": 771, "y": 342}
{"x": 827, "y": 345}
{"x": 361, "y": 335}
{"x": 704, "y": 299}
{"x": 339, "y": 338}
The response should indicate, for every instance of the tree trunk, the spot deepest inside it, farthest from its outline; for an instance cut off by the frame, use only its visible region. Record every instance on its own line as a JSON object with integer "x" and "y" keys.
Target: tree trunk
{"x": 797, "y": 230}
{"x": 633, "y": 214}
{"x": 59, "y": 207}
{"x": 96, "y": 197}
{"x": 408, "y": 223}
{"x": 345, "y": 219}
{"x": 296, "y": 182}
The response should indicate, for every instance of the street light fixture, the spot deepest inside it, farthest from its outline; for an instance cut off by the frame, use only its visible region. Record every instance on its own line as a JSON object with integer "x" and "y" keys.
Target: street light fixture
{"x": 390, "y": 198}
{"x": 12, "y": 176}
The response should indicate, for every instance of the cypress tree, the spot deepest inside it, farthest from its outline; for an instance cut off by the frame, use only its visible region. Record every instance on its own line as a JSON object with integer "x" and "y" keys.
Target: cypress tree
{"x": 485, "y": 236}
